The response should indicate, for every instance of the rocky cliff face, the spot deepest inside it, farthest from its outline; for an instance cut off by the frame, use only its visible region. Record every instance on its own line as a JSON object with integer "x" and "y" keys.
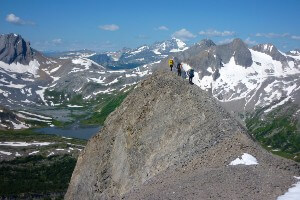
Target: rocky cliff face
{"x": 13, "y": 48}
{"x": 171, "y": 139}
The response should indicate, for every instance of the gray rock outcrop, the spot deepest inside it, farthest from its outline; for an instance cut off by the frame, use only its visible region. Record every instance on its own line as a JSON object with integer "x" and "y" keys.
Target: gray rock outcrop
{"x": 170, "y": 139}
{"x": 238, "y": 49}
{"x": 13, "y": 48}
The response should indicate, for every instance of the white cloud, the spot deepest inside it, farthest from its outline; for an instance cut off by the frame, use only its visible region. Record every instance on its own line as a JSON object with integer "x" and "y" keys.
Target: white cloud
{"x": 57, "y": 41}
{"x": 225, "y": 41}
{"x": 109, "y": 27}
{"x": 272, "y": 35}
{"x": 163, "y": 28}
{"x": 295, "y": 37}
{"x": 12, "y": 18}
{"x": 250, "y": 42}
{"x": 215, "y": 33}
{"x": 183, "y": 35}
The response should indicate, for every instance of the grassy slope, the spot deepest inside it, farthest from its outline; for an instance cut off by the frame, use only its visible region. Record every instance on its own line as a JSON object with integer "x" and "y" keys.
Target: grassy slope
{"x": 277, "y": 130}
{"x": 104, "y": 109}
{"x": 92, "y": 112}
{"x": 28, "y": 135}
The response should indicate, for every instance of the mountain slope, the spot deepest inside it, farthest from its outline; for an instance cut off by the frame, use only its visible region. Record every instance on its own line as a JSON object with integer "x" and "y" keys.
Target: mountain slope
{"x": 167, "y": 129}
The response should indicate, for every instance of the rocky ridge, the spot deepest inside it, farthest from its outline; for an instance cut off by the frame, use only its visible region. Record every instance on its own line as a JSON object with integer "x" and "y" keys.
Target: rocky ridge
{"x": 170, "y": 139}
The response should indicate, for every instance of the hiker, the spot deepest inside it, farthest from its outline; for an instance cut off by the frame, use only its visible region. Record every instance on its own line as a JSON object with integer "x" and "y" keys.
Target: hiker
{"x": 171, "y": 63}
{"x": 191, "y": 75}
{"x": 179, "y": 66}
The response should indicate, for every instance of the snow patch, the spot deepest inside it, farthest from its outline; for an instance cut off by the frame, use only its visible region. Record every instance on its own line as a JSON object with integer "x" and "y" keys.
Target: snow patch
{"x": 51, "y": 154}
{"x": 156, "y": 52}
{"x": 34, "y": 152}
{"x": 74, "y": 106}
{"x": 246, "y": 159}
{"x": 5, "y": 153}
{"x": 55, "y": 69}
{"x": 98, "y": 80}
{"x": 41, "y": 93}
{"x": 21, "y": 125}
{"x": 293, "y": 193}
{"x": 31, "y": 118}
{"x": 36, "y": 115}
{"x": 108, "y": 90}
{"x": 25, "y": 144}
{"x": 17, "y": 154}
{"x": 139, "y": 50}
{"x": 112, "y": 82}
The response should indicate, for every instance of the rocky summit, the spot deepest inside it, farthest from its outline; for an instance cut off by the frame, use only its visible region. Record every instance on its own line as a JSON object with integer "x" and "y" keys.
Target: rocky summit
{"x": 13, "y": 48}
{"x": 171, "y": 140}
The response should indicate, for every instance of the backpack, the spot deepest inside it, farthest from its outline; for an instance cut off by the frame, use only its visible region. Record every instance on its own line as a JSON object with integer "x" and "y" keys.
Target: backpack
{"x": 179, "y": 66}
{"x": 171, "y": 62}
{"x": 191, "y": 73}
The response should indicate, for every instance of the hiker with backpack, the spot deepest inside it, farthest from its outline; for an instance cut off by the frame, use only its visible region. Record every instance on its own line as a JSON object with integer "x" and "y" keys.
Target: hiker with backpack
{"x": 179, "y": 66}
{"x": 171, "y": 63}
{"x": 191, "y": 75}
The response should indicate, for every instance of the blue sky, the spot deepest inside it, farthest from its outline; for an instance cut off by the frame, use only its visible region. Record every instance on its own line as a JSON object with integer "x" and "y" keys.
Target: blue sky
{"x": 111, "y": 25}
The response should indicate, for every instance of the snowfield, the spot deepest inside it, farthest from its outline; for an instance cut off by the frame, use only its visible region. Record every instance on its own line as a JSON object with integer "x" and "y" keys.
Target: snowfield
{"x": 25, "y": 144}
{"x": 244, "y": 83}
{"x": 31, "y": 68}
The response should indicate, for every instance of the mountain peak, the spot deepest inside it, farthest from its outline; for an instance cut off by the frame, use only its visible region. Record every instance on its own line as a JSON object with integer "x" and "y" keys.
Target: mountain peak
{"x": 238, "y": 42}
{"x": 13, "y": 48}
{"x": 194, "y": 137}
{"x": 207, "y": 42}
{"x": 270, "y": 50}
{"x": 179, "y": 42}
{"x": 237, "y": 49}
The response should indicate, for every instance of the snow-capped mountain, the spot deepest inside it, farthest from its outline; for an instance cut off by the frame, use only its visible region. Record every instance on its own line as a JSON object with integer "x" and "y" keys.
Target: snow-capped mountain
{"x": 131, "y": 58}
{"x": 27, "y": 77}
{"x": 243, "y": 78}
{"x": 69, "y": 54}
{"x": 13, "y": 48}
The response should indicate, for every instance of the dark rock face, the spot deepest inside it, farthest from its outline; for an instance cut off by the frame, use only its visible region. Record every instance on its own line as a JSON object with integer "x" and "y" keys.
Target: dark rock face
{"x": 101, "y": 58}
{"x": 206, "y": 55}
{"x": 166, "y": 135}
{"x": 195, "y": 49}
{"x": 238, "y": 49}
{"x": 13, "y": 48}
